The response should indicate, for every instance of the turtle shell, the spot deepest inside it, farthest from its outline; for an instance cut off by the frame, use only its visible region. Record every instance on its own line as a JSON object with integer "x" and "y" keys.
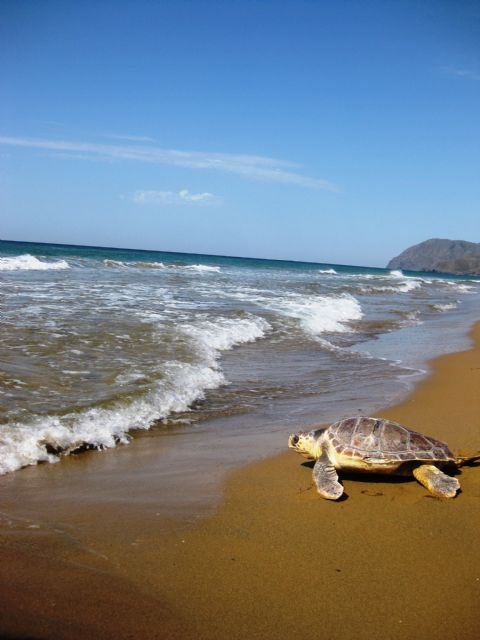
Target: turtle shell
{"x": 383, "y": 440}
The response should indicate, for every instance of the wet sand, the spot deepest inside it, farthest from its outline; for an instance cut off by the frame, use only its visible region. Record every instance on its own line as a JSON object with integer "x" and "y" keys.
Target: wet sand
{"x": 272, "y": 560}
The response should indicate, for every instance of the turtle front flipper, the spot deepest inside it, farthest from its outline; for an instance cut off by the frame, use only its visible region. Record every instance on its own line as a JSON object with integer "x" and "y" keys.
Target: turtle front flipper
{"x": 436, "y": 481}
{"x": 326, "y": 478}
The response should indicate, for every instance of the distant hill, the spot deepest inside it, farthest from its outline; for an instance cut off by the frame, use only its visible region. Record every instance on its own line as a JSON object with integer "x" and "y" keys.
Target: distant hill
{"x": 446, "y": 256}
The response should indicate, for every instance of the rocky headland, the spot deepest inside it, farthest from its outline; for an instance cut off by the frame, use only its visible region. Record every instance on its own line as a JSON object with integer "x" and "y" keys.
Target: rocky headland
{"x": 444, "y": 256}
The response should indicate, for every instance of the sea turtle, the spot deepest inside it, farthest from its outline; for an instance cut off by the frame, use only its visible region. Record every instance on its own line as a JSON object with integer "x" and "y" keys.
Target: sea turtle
{"x": 373, "y": 445}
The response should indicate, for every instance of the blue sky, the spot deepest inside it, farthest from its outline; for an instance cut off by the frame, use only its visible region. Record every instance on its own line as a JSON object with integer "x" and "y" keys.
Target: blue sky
{"x": 332, "y": 131}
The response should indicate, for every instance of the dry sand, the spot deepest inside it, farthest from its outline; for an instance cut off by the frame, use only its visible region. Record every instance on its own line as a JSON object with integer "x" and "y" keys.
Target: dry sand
{"x": 274, "y": 560}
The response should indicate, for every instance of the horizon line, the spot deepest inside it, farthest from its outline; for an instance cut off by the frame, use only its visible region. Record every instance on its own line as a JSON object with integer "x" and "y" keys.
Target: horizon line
{"x": 187, "y": 253}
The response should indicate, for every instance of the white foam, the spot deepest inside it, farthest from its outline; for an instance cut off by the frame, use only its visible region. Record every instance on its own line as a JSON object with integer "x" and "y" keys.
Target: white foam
{"x": 445, "y": 307}
{"x": 402, "y": 283}
{"x": 330, "y": 314}
{"x": 320, "y": 314}
{"x": 134, "y": 265}
{"x": 404, "y": 287}
{"x": 114, "y": 263}
{"x": 200, "y": 268}
{"x": 409, "y": 285}
{"x": 23, "y": 444}
{"x": 316, "y": 314}
{"x": 211, "y": 337}
{"x": 465, "y": 288}
{"x": 30, "y": 443}
{"x": 410, "y": 319}
{"x": 29, "y": 262}
{"x": 330, "y": 271}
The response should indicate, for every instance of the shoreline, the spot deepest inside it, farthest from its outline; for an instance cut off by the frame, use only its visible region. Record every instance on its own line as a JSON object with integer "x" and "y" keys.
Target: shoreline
{"x": 272, "y": 560}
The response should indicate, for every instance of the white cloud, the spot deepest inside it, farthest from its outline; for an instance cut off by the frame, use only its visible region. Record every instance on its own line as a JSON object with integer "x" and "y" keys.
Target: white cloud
{"x": 161, "y": 198}
{"x": 129, "y": 138}
{"x": 461, "y": 72}
{"x": 248, "y": 166}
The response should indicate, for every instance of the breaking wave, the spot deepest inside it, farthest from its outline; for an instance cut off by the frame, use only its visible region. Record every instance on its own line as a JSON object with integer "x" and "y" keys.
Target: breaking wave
{"x": 320, "y": 314}
{"x": 45, "y": 439}
{"x": 449, "y": 306}
{"x": 161, "y": 265}
{"x": 29, "y": 262}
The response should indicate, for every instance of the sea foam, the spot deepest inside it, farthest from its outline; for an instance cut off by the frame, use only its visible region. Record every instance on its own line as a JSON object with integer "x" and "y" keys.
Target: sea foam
{"x": 29, "y": 262}
{"x": 200, "y": 268}
{"x": 329, "y": 314}
{"x": 44, "y": 439}
{"x": 320, "y": 314}
{"x": 211, "y": 337}
{"x": 395, "y": 282}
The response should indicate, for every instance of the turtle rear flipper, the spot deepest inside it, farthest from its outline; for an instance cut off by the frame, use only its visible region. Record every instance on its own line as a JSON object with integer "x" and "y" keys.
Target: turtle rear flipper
{"x": 326, "y": 479}
{"x": 437, "y": 482}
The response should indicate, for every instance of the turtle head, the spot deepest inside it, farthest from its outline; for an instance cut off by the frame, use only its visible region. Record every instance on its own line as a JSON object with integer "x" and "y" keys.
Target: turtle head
{"x": 307, "y": 443}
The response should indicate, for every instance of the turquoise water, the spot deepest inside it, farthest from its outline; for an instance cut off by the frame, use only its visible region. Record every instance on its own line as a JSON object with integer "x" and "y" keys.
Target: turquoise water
{"x": 99, "y": 344}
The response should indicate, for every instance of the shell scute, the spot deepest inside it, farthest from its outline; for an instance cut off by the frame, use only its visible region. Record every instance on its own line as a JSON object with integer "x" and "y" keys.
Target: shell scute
{"x": 345, "y": 428}
{"x": 394, "y": 438}
{"x": 385, "y": 440}
{"x": 365, "y": 435}
{"x": 419, "y": 442}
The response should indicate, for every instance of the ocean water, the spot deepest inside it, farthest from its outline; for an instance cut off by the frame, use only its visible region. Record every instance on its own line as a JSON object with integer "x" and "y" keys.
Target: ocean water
{"x": 98, "y": 345}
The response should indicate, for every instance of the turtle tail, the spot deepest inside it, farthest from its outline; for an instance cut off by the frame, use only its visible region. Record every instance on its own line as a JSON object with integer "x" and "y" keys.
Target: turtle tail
{"x": 462, "y": 460}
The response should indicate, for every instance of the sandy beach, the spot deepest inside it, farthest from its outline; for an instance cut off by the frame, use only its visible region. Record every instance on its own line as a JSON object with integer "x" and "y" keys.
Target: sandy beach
{"x": 271, "y": 560}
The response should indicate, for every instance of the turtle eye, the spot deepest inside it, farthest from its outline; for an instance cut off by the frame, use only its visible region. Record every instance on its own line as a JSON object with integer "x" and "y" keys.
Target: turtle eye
{"x": 295, "y": 439}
